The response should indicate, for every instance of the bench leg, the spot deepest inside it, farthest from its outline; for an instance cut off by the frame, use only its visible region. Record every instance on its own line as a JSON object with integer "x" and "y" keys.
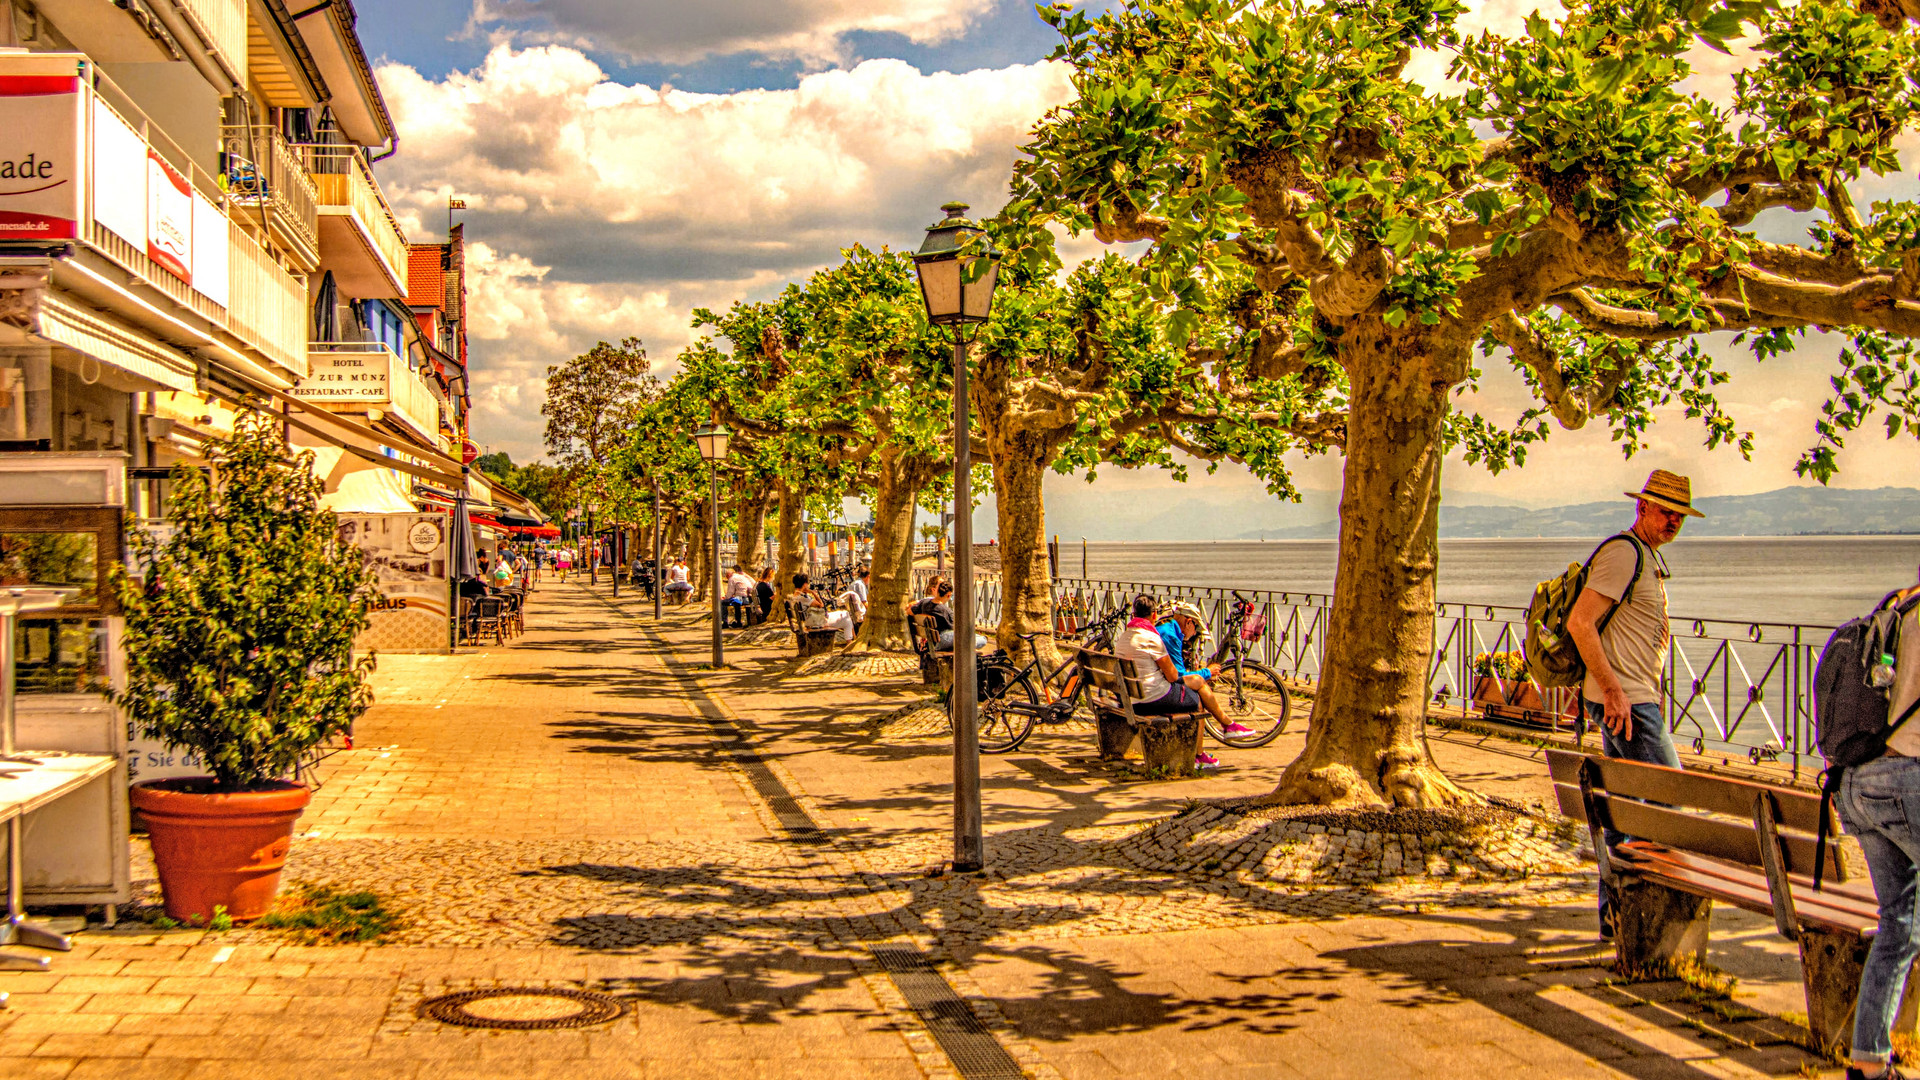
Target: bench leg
{"x": 1830, "y": 966}
{"x": 1655, "y": 925}
{"x": 1116, "y": 737}
{"x": 1170, "y": 745}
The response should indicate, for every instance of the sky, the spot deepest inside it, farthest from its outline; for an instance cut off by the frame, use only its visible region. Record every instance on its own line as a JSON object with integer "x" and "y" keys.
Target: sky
{"x": 626, "y": 161}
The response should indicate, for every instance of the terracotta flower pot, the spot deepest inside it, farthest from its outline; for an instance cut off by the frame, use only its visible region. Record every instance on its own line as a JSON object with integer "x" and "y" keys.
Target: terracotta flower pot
{"x": 224, "y": 848}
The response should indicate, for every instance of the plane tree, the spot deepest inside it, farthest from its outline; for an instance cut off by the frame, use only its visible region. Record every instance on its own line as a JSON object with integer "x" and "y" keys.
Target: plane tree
{"x": 845, "y": 369}
{"x": 1342, "y": 246}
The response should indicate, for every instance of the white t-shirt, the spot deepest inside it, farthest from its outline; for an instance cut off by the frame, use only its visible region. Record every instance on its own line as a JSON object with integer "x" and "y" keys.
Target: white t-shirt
{"x": 859, "y": 589}
{"x": 678, "y": 575}
{"x": 739, "y": 586}
{"x": 1142, "y": 645}
{"x": 1635, "y": 639}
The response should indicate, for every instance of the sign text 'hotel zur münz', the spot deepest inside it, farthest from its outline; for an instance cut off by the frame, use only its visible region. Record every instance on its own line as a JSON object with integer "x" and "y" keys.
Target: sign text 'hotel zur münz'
{"x": 40, "y": 163}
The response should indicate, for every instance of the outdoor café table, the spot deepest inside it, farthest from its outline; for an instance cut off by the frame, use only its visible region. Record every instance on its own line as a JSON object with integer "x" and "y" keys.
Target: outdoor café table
{"x": 29, "y": 781}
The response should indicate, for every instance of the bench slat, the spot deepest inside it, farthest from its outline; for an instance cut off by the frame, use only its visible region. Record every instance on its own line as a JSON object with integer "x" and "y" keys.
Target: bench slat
{"x": 1734, "y": 885}
{"x": 1734, "y": 842}
{"x": 1850, "y": 899}
{"x": 1799, "y": 810}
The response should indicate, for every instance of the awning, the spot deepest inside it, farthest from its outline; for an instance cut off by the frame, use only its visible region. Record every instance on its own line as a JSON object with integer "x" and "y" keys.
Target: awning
{"x": 82, "y": 330}
{"x": 355, "y": 486}
{"x": 356, "y": 439}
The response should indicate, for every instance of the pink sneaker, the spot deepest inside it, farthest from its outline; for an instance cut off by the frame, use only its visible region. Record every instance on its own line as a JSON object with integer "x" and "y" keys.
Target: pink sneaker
{"x": 1238, "y": 730}
{"x": 1205, "y": 761}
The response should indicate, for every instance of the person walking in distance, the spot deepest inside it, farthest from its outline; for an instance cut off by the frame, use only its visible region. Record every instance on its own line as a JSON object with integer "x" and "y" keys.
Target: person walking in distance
{"x": 1619, "y": 624}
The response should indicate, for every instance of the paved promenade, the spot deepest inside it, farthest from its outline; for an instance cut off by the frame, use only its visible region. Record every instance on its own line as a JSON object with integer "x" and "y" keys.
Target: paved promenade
{"x": 752, "y": 859}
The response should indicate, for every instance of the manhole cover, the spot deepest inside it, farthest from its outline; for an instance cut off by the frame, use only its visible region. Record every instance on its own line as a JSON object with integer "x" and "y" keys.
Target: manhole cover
{"x": 522, "y": 1009}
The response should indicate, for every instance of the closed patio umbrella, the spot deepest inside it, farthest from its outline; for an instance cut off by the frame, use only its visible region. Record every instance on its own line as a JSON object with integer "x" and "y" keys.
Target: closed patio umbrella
{"x": 464, "y": 565}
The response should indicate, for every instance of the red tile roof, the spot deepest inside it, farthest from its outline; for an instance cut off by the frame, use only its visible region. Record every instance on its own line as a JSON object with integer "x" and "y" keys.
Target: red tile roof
{"x": 426, "y": 282}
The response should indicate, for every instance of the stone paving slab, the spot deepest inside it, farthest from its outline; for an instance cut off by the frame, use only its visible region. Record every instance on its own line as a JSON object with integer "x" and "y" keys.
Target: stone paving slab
{"x": 575, "y": 810}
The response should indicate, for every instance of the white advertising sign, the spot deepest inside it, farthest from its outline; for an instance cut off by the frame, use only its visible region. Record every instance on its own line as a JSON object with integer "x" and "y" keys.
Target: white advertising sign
{"x": 355, "y": 377}
{"x": 169, "y": 218}
{"x": 40, "y": 125}
{"x": 119, "y": 176}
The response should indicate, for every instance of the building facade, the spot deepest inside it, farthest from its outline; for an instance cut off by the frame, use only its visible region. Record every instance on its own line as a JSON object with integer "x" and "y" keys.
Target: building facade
{"x": 190, "y": 227}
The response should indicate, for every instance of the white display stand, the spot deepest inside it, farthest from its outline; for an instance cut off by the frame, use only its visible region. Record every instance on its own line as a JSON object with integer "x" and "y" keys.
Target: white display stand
{"x": 29, "y": 782}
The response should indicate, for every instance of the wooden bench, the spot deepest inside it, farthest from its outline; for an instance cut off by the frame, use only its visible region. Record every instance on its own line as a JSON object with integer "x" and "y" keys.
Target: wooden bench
{"x": 1697, "y": 838}
{"x": 925, "y": 640}
{"x": 1164, "y": 742}
{"x": 809, "y": 642}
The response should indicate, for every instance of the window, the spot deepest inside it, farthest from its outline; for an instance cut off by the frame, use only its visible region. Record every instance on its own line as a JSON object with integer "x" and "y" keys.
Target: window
{"x": 64, "y": 547}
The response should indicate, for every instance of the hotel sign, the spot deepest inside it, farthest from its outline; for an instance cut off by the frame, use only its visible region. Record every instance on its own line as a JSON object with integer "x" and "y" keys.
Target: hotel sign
{"x": 40, "y": 148}
{"x": 347, "y": 377}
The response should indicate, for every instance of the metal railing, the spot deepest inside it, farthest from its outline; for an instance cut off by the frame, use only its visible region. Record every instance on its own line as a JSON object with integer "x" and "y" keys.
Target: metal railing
{"x": 263, "y": 172}
{"x": 266, "y": 305}
{"x": 1731, "y": 687}
{"x": 223, "y": 24}
{"x": 342, "y": 179}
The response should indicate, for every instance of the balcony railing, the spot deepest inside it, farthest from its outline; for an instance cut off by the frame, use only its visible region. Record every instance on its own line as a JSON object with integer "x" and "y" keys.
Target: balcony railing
{"x": 342, "y": 180}
{"x": 223, "y": 23}
{"x": 263, "y": 174}
{"x": 266, "y": 306}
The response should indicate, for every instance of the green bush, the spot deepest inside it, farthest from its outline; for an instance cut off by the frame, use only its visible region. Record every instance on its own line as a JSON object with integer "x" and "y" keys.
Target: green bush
{"x": 239, "y": 638}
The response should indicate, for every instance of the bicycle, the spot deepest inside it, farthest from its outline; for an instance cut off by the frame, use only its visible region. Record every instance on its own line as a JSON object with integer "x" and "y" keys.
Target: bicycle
{"x": 1009, "y": 705}
{"x": 1250, "y": 693}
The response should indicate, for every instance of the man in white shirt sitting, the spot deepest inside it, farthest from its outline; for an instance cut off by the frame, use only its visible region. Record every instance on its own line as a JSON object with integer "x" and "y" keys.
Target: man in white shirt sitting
{"x": 739, "y": 594}
{"x": 1163, "y": 692}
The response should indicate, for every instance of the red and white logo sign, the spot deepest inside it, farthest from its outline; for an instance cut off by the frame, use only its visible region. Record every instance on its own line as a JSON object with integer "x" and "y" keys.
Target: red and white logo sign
{"x": 169, "y": 218}
{"x": 39, "y": 155}
{"x": 468, "y": 452}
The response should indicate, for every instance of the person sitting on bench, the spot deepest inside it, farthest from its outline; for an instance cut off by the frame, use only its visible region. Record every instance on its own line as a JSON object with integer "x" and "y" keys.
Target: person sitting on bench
{"x": 739, "y": 598}
{"x": 935, "y": 607}
{"x": 838, "y": 621}
{"x": 679, "y": 589}
{"x": 1163, "y": 692}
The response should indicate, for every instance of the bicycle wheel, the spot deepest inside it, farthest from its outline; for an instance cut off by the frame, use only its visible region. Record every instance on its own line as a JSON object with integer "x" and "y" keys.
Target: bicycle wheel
{"x": 1001, "y": 729}
{"x": 1256, "y": 699}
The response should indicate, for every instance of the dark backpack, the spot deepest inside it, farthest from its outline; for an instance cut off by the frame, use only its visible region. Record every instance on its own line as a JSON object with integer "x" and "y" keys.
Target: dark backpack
{"x": 1849, "y": 712}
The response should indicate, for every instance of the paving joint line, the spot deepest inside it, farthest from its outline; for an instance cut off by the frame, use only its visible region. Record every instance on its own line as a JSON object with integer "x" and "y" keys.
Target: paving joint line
{"x": 974, "y": 1046}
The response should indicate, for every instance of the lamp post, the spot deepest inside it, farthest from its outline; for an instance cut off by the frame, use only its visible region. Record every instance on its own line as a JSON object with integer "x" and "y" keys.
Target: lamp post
{"x": 592, "y": 545}
{"x": 712, "y": 440}
{"x": 958, "y": 269}
{"x": 657, "y": 568}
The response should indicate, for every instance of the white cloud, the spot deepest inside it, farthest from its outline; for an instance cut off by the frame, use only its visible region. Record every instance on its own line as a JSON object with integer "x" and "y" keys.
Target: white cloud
{"x": 601, "y": 209}
{"x": 673, "y": 31}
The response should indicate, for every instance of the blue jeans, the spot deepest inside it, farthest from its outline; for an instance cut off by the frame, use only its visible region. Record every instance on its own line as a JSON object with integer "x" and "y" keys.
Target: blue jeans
{"x": 1651, "y": 744}
{"x": 1879, "y": 802}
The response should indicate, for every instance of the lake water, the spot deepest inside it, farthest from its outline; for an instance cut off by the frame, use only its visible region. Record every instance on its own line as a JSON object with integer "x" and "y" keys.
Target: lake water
{"x": 1817, "y": 580}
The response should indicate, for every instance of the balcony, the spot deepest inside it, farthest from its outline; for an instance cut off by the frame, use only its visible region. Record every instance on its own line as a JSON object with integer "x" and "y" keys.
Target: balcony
{"x": 222, "y": 24}
{"x": 365, "y": 377}
{"x": 359, "y": 239}
{"x": 268, "y": 188}
{"x": 266, "y": 306}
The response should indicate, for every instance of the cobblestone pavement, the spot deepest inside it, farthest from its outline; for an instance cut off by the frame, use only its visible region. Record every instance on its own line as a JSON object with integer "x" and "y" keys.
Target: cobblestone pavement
{"x": 581, "y": 809}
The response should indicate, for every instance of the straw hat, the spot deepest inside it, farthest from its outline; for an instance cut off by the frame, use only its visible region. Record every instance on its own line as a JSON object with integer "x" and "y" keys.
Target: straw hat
{"x": 1671, "y": 490}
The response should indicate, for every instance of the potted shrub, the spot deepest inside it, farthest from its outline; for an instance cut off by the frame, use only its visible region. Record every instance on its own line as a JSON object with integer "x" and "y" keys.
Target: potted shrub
{"x": 1500, "y": 678}
{"x": 239, "y": 651}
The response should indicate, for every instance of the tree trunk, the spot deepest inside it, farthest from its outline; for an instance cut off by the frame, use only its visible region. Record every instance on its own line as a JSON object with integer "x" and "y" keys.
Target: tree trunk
{"x": 1366, "y": 739}
{"x": 752, "y": 526}
{"x": 1026, "y": 587}
{"x": 897, "y": 486}
{"x": 792, "y": 546}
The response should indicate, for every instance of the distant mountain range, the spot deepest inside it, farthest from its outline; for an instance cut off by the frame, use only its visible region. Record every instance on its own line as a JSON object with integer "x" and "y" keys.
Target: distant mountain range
{"x": 1792, "y": 511}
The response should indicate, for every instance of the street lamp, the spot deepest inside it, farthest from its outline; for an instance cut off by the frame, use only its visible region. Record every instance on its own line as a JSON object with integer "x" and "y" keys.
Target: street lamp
{"x": 712, "y": 440}
{"x": 958, "y": 268}
{"x": 592, "y": 545}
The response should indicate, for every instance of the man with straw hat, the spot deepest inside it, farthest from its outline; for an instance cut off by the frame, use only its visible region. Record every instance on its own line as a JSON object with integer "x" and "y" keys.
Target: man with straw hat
{"x": 1619, "y": 624}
